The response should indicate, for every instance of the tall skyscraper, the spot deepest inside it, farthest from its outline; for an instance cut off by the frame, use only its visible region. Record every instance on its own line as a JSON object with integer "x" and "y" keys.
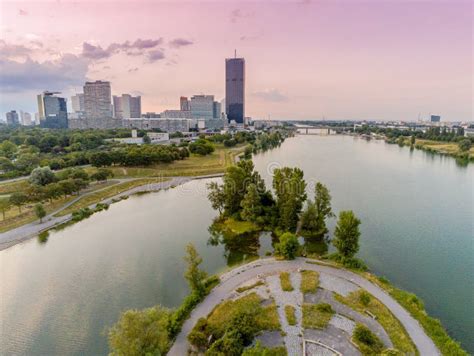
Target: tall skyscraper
{"x": 97, "y": 100}
{"x": 184, "y": 103}
{"x": 52, "y": 110}
{"x": 77, "y": 102}
{"x": 12, "y": 118}
{"x": 202, "y": 106}
{"x": 235, "y": 89}
{"x": 127, "y": 106}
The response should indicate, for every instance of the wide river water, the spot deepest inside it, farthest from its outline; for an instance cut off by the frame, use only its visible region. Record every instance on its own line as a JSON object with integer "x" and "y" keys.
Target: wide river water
{"x": 58, "y": 297}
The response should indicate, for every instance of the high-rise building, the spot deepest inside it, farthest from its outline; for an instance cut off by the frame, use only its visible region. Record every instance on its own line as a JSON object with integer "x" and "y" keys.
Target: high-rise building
{"x": 25, "y": 118}
{"x": 235, "y": 89}
{"x": 127, "y": 106}
{"x": 184, "y": 103}
{"x": 77, "y": 103}
{"x": 435, "y": 118}
{"x": 12, "y": 118}
{"x": 52, "y": 110}
{"x": 216, "y": 110}
{"x": 202, "y": 106}
{"x": 97, "y": 100}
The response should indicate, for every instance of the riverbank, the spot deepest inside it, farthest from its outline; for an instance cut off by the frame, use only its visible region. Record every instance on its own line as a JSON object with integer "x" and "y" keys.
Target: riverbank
{"x": 28, "y": 231}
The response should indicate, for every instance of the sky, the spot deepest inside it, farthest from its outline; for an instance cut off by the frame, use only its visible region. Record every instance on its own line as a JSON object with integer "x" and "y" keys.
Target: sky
{"x": 381, "y": 60}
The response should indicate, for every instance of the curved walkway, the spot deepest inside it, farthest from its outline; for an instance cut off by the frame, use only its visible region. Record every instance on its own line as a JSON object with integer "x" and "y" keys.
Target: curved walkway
{"x": 232, "y": 279}
{"x": 27, "y": 231}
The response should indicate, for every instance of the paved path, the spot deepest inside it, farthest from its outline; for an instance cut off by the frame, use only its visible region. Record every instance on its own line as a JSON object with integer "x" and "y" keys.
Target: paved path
{"x": 237, "y": 276}
{"x": 27, "y": 231}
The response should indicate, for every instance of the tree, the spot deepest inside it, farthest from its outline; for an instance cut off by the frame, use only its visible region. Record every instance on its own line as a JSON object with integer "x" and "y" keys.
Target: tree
{"x": 42, "y": 176}
{"x": 323, "y": 208}
{"x": 141, "y": 332}
{"x": 251, "y": 205}
{"x": 216, "y": 196}
{"x": 289, "y": 187}
{"x": 347, "y": 234}
{"x": 309, "y": 219}
{"x": 465, "y": 145}
{"x": 412, "y": 140}
{"x": 146, "y": 139}
{"x": 40, "y": 212}
{"x": 288, "y": 246}
{"x": 193, "y": 274}
{"x": 5, "y": 204}
{"x": 18, "y": 199}
{"x": 102, "y": 174}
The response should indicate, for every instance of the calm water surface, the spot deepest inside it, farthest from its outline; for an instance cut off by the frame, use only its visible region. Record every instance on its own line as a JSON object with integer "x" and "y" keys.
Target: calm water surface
{"x": 416, "y": 211}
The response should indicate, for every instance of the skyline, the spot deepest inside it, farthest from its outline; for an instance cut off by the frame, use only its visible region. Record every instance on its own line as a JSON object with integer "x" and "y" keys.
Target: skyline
{"x": 304, "y": 60}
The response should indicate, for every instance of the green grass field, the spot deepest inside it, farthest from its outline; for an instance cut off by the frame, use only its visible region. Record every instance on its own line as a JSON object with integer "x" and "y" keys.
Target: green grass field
{"x": 96, "y": 197}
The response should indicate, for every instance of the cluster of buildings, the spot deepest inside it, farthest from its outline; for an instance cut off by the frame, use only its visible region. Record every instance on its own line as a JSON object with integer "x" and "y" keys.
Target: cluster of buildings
{"x": 97, "y": 108}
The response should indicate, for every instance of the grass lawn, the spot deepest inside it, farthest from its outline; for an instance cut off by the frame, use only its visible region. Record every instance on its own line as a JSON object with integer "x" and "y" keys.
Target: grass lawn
{"x": 195, "y": 165}
{"x": 237, "y": 227}
{"x": 107, "y": 193}
{"x": 14, "y": 219}
{"x": 266, "y": 318}
{"x": 246, "y": 288}
{"x": 285, "y": 282}
{"x": 450, "y": 148}
{"x": 309, "y": 281}
{"x": 396, "y": 332}
{"x": 290, "y": 314}
{"x": 8, "y": 188}
{"x": 316, "y": 316}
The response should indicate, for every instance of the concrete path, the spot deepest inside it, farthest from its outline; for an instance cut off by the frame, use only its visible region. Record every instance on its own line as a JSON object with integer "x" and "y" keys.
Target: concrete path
{"x": 239, "y": 275}
{"x": 27, "y": 231}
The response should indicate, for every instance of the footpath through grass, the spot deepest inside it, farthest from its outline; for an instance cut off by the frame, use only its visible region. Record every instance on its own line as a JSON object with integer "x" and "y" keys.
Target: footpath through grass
{"x": 14, "y": 219}
{"x": 109, "y": 192}
{"x": 362, "y": 301}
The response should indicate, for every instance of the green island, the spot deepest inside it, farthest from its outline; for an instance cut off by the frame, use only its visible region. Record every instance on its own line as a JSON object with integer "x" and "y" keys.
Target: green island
{"x": 294, "y": 302}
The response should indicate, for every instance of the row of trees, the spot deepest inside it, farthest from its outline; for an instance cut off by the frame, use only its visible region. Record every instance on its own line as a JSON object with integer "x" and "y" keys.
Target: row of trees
{"x": 45, "y": 185}
{"x": 138, "y": 155}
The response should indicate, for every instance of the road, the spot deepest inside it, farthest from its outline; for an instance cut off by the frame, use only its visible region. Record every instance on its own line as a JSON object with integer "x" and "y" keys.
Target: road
{"x": 235, "y": 277}
{"x": 27, "y": 231}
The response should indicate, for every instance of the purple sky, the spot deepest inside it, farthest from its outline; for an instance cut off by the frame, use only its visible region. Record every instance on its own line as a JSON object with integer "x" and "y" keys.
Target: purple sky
{"x": 305, "y": 60}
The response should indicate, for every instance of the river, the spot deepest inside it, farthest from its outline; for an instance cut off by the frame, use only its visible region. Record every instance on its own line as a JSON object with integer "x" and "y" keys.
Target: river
{"x": 416, "y": 209}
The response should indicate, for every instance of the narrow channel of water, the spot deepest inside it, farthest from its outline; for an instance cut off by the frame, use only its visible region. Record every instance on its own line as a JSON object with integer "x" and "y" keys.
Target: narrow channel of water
{"x": 416, "y": 211}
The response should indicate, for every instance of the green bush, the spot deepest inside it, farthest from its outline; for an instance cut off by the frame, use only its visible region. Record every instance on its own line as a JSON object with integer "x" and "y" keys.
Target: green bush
{"x": 365, "y": 298}
{"x": 367, "y": 341}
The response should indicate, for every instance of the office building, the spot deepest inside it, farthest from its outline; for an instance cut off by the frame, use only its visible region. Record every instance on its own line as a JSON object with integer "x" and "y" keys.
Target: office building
{"x": 127, "y": 106}
{"x": 235, "y": 89}
{"x": 97, "y": 100}
{"x": 77, "y": 103}
{"x": 216, "y": 110}
{"x": 12, "y": 118}
{"x": 52, "y": 110}
{"x": 202, "y": 106}
{"x": 184, "y": 103}
{"x": 25, "y": 118}
{"x": 435, "y": 118}
{"x": 176, "y": 114}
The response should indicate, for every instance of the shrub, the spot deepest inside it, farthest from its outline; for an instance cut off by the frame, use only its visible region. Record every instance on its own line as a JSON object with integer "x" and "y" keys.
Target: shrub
{"x": 288, "y": 246}
{"x": 365, "y": 298}
{"x": 367, "y": 341}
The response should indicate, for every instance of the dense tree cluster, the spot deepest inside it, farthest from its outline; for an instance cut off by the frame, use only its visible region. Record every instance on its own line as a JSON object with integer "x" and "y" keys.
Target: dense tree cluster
{"x": 432, "y": 133}
{"x": 23, "y": 149}
{"x": 243, "y": 197}
{"x": 145, "y": 155}
{"x": 201, "y": 147}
